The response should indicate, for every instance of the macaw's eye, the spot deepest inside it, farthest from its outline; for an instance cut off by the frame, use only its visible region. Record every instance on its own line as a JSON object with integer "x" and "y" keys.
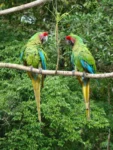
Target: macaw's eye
{"x": 71, "y": 43}
{"x": 70, "y": 40}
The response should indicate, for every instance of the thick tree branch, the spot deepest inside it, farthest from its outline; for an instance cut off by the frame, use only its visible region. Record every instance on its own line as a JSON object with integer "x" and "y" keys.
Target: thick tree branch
{"x": 53, "y": 72}
{"x": 22, "y": 7}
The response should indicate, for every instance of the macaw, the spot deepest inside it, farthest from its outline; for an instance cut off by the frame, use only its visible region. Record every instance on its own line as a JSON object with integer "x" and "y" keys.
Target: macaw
{"x": 33, "y": 55}
{"x": 82, "y": 60}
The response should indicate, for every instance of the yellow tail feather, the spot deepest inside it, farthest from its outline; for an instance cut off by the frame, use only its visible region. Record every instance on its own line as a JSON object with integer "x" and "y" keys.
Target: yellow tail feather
{"x": 42, "y": 83}
{"x": 80, "y": 80}
{"x": 85, "y": 89}
{"x": 36, "y": 87}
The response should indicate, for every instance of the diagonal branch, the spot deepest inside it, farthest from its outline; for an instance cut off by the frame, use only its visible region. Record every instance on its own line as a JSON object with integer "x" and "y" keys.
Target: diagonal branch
{"x": 22, "y": 7}
{"x": 53, "y": 72}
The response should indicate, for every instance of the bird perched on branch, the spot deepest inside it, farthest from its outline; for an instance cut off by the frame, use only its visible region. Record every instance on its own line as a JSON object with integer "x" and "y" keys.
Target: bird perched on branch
{"x": 33, "y": 55}
{"x": 82, "y": 60}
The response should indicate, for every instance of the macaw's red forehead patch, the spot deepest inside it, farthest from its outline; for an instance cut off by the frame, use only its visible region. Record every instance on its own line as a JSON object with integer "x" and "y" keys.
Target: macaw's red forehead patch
{"x": 45, "y": 34}
{"x": 70, "y": 38}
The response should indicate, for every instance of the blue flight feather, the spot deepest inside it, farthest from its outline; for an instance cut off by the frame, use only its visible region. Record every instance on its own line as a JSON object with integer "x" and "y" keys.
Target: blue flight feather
{"x": 21, "y": 55}
{"x": 86, "y": 66}
{"x": 42, "y": 57}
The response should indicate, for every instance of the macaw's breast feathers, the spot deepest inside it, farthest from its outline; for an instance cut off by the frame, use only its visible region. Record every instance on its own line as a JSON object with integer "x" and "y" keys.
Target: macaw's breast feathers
{"x": 31, "y": 56}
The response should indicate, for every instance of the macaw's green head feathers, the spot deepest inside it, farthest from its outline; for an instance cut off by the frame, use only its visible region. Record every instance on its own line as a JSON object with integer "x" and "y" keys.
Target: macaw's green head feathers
{"x": 73, "y": 39}
{"x": 39, "y": 37}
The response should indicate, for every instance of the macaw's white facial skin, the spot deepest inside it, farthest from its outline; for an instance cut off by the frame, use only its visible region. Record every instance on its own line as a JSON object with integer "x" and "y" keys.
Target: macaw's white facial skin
{"x": 70, "y": 40}
{"x": 44, "y": 37}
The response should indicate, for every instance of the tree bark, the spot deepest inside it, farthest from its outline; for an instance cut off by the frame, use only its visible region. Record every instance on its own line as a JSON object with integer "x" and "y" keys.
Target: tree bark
{"x": 22, "y": 7}
{"x": 53, "y": 72}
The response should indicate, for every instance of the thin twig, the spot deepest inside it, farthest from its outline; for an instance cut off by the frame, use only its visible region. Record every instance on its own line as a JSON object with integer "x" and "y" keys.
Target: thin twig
{"x": 109, "y": 135}
{"x": 57, "y": 46}
{"x": 56, "y": 37}
{"x": 109, "y": 131}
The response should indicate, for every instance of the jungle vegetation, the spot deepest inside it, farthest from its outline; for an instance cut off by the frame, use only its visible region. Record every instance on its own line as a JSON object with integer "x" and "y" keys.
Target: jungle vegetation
{"x": 64, "y": 125}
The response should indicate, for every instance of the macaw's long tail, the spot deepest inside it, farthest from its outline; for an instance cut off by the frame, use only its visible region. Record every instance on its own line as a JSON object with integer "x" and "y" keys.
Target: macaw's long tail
{"x": 86, "y": 90}
{"x": 36, "y": 87}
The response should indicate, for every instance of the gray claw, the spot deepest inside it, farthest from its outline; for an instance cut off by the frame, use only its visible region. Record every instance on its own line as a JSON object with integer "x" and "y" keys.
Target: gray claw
{"x": 73, "y": 72}
{"x": 40, "y": 70}
{"x": 31, "y": 68}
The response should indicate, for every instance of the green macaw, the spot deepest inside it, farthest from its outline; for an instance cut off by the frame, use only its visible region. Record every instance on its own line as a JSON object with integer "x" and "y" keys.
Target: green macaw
{"x": 33, "y": 55}
{"x": 82, "y": 60}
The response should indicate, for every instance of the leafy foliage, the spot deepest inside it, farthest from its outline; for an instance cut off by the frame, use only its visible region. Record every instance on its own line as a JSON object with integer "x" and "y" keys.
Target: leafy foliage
{"x": 64, "y": 124}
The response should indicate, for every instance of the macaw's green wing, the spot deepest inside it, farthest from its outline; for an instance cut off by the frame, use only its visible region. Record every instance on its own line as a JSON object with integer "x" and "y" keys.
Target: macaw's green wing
{"x": 87, "y": 67}
{"x": 87, "y": 61}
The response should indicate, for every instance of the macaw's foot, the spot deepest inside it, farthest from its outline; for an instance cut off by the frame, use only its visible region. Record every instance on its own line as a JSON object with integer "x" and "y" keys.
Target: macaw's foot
{"x": 78, "y": 77}
{"x": 30, "y": 72}
{"x": 73, "y": 72}
{"x": 40, "y": 70}
{"x": 31, "y": 68}
{"x": 84, "y": 78}
{"x": 84, "y": 75}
